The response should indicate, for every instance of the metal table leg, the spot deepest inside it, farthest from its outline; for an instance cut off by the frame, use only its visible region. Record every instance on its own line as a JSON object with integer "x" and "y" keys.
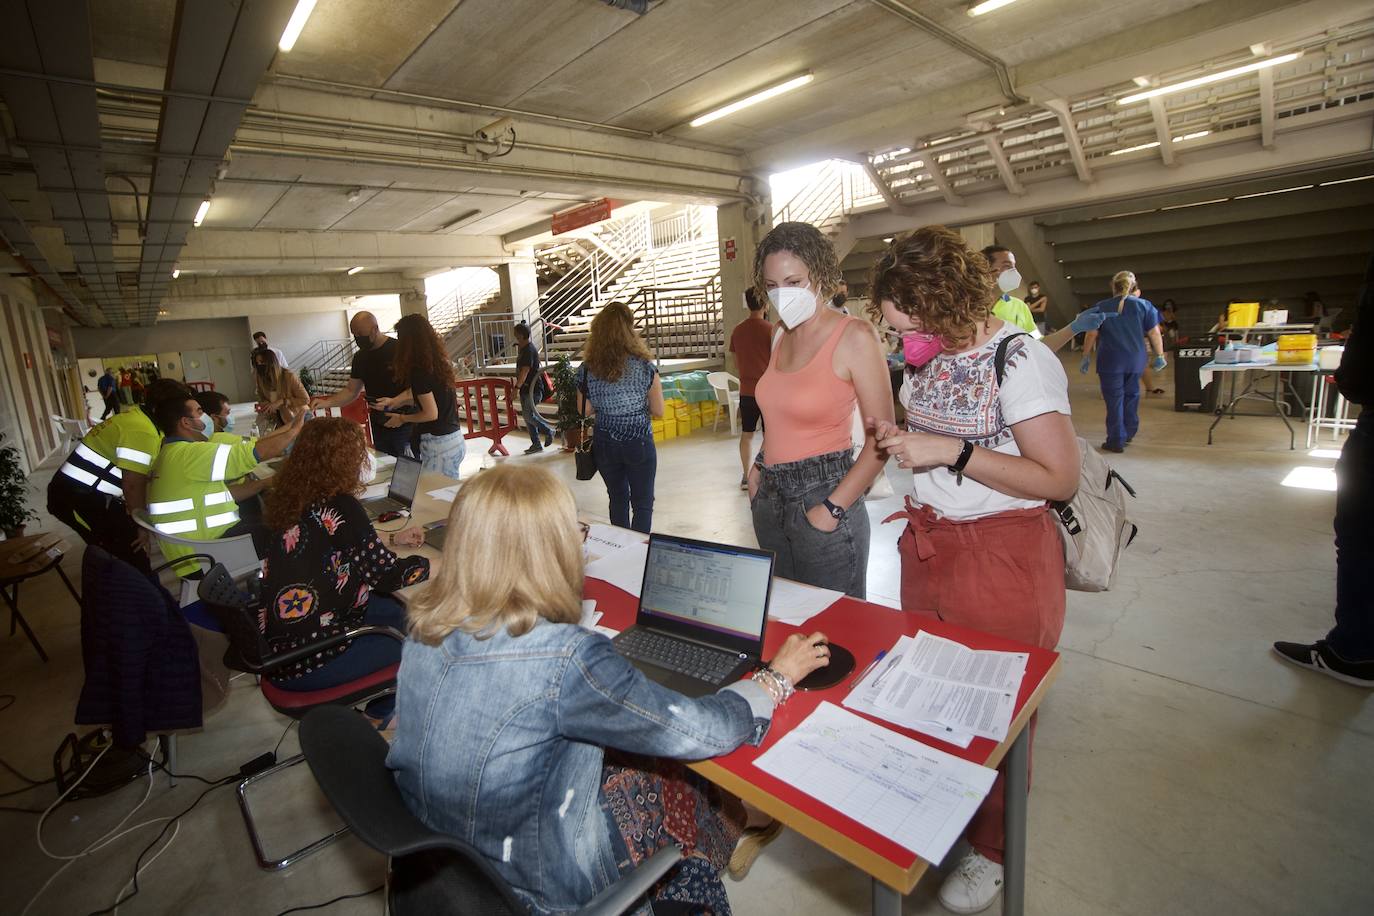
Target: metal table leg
{"x": 1278, "y": 409}
{"x": 16, "y": 617}
{"x": 68, "y": 582}
{"x": 1017, "y": 797}
{"x": 886, "y": 901}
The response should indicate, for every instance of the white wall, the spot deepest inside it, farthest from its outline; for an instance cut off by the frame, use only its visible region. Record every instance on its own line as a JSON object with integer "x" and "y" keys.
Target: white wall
{"x": 27, "y": 374}
{"x": 294, "y": 334}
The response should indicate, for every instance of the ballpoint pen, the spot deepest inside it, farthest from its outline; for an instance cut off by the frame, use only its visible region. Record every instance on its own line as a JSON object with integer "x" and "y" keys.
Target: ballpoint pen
{"x": 871, "y": 665}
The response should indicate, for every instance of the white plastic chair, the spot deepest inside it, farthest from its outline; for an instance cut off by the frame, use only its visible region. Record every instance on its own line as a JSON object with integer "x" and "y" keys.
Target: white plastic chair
{"x": 69, "y": 432}
{"x": 725, "y": 397}
{"x": 236, "y": 553}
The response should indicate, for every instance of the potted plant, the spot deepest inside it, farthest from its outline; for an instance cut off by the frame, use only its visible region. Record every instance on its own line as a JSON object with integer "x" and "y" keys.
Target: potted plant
{"x": 14, "y": 509}
{"x": 568, "y": 420}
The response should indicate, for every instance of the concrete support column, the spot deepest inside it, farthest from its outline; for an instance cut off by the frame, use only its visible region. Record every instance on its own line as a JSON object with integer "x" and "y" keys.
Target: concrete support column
{"x": 414, "y": 302}
{"x": 1036, "y": 260}
{"x": 737, "y": 273}
{"x": 979, "y": 235}
{"x": 520, "y": 295}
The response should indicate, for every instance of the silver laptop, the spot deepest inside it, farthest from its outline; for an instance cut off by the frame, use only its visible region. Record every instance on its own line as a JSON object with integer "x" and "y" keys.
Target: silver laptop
{"x": 702, "y": 612}
{"x": 435, "y": 533}
{"x": 405, "y": 480}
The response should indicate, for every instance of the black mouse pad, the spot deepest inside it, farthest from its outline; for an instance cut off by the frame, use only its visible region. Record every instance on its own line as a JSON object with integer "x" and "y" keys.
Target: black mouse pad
{"x": 841, "y": 663}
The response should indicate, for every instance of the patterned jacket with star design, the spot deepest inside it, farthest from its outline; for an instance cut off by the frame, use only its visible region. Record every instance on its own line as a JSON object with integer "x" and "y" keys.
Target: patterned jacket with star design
{"x": 319, "y": 574}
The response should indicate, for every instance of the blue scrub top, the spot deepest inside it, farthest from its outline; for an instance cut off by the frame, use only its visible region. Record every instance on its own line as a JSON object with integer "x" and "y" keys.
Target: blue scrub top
{"x": 1121, "y": 340}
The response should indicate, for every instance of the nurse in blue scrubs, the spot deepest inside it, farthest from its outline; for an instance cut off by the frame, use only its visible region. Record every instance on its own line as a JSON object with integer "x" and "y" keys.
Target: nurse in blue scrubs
{"x": 1120, "y": 347}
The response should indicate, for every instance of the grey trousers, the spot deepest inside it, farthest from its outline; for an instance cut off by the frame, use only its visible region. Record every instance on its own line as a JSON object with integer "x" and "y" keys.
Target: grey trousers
{"x": 826, "y": 559}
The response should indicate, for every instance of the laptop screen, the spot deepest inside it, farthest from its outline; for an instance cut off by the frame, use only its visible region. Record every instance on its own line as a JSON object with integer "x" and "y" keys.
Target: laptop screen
{"x": 713, "y": 592}
{"x": 405, "y": 479}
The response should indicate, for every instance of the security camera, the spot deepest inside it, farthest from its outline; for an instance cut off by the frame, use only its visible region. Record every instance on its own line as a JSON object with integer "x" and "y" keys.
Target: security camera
{"x": 495, "y": 130}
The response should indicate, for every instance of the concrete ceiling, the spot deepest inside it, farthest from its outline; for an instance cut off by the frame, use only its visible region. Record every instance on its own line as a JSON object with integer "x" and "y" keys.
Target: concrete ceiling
{"x": 360, "y": 146}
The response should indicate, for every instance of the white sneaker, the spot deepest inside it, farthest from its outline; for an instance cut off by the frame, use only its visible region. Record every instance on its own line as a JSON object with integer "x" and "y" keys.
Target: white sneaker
{"x": 973, "y": 886}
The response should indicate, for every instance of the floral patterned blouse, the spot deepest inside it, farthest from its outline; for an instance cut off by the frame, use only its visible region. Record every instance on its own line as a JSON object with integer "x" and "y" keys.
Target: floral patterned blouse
{"x": 318, "y": 575}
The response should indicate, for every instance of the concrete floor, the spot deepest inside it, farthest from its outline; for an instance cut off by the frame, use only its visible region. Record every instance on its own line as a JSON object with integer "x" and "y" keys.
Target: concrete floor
{"x": 1179, "y": 767}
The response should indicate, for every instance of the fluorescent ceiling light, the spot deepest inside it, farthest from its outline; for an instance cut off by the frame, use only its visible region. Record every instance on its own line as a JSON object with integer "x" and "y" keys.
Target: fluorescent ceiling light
{"x": 987, "y": 6}
{"x": 1326, "y": 184}
{"x": 1301, "y": 187}
{"x": 176, "y": 272}
{"x": 888, "y": 239}
{"x": 1193, "y": 136}
{"x": 200, "y": 214}
{"x": 1134, "y": 149}
{"x": 354, "y": 270}
{"x": 294, "y": 25}
{"x": 765, "y": 95}
{"x": 1209, "y": 78}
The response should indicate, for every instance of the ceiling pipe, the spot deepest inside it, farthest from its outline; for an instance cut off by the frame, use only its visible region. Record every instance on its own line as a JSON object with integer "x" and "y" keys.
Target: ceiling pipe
{"x": 931, "y": 27}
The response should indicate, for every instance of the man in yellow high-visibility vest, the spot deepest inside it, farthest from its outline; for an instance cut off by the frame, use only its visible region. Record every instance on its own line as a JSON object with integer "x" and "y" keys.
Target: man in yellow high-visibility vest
{"x": 105, "y": 478}
{"x": 197, "y": 490}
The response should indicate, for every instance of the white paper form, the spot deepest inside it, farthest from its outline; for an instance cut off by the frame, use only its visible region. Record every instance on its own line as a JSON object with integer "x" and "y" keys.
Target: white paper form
{"x": 445, "y": 494}
{"x": 604, "y": 540}
{"x": 917, "y": 796}
{"x": 863, "y": 698}
{"x": 794, "y": 603}
{"x": 622, "y": 567}
{"x": 932, "y": 679}
{"x": 590, "y": 615}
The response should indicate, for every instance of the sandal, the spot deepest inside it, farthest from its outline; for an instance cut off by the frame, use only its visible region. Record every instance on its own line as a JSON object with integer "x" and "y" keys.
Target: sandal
{"x": 749, "y": 847}
{"x": 1156, "y": 391}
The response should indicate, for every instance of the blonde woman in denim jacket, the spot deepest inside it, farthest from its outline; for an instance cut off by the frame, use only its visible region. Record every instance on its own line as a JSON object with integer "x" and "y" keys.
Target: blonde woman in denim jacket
{"x": 530, "y": 738}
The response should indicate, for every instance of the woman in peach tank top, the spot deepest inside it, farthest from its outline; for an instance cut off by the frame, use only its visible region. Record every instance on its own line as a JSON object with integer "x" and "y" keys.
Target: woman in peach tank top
{"x": 806, "y": 488}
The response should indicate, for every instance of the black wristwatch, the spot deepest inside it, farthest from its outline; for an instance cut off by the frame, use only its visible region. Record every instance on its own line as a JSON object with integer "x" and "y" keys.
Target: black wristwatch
{"x": 835, "y": 511}
{"x": 957, "y": 468}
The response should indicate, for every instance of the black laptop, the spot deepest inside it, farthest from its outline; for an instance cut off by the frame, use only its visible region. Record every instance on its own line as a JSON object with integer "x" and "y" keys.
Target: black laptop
{"x": 702, "y": 611}
{"x": 405, "y": 480}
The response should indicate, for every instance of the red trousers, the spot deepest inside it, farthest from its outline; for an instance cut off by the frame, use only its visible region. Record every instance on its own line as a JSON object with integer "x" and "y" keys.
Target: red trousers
{"x": 1004, "y": 575}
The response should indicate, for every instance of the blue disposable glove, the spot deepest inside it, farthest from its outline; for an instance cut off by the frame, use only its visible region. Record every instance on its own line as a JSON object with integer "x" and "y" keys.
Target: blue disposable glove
{"x": 1158, "y": 363}
{"x": 1085, "y": 365}
{"x": 1089, "y": 321}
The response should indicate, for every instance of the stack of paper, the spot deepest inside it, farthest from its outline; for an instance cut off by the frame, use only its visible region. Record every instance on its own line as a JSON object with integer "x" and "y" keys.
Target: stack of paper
{"x": 915, "y": 795}
{"x": 795, "y": 603}
{"x": 446, "y": 494}
{"x": 939, "y": 687}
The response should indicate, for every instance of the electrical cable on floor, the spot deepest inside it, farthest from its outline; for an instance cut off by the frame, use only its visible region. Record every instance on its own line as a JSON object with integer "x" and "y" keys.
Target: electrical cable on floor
{"x": 139, "y": 866}
{"x": 286, "y": 732}
{"x": 320, "y": 906}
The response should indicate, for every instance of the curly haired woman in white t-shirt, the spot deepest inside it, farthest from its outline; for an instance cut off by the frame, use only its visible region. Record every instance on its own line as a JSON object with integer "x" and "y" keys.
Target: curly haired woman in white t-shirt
{"x": 981, "y": 548}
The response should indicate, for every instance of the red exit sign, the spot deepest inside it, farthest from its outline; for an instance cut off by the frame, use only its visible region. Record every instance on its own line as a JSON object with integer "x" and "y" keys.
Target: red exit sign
{"x": 582, "y": 215}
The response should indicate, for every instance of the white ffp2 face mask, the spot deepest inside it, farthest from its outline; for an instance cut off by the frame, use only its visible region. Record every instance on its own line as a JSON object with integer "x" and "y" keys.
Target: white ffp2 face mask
{"x": 794, "y": 304}
{"x": 1009, "y": 280}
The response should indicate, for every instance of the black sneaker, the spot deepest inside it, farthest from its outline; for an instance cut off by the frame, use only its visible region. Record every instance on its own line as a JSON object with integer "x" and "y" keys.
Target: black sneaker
{"x": 1108, "y": 447}
{"x": 534, "y": 449}
{"x": 548, "y": 439}
{"x": 1318, "y": 656}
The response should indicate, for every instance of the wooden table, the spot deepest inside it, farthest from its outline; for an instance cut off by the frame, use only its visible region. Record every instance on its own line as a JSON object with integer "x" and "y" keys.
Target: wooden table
{"x": 23, "y": 558}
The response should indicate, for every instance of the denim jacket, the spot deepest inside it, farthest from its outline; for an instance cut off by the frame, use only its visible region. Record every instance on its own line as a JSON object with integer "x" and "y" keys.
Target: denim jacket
{"x": 499, "y": 742}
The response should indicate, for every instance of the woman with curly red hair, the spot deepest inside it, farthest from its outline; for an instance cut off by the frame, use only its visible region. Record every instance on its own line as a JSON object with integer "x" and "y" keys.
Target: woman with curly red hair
{"x": 981, "y": 548}
{"x": 423, "y": 366}
{"x": 326, "y": 570}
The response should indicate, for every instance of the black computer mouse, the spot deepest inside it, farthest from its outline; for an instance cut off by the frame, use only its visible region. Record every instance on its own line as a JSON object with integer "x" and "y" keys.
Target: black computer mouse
{"x": 390, "y": 516}
{"x": 841, "y": 663}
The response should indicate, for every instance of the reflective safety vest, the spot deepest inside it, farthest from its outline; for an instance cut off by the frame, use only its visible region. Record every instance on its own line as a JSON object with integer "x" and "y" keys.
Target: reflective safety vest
{"x": 189, "y": 496}
{"x": 126, "y": 440}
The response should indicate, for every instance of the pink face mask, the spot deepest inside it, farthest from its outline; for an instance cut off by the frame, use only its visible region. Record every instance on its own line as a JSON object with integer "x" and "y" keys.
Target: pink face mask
{"x": 920, "y": 349}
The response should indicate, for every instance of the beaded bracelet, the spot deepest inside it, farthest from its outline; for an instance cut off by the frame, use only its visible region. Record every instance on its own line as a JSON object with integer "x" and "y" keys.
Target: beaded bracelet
{"x": 776, "y": 683}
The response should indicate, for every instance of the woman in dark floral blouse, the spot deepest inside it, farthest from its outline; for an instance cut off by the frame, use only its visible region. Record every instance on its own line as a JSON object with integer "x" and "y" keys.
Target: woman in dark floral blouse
{"x": 327, "y": 570}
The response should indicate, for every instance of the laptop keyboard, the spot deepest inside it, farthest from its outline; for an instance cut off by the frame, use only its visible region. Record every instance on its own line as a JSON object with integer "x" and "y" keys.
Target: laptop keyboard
{"x": 701, "y": 662}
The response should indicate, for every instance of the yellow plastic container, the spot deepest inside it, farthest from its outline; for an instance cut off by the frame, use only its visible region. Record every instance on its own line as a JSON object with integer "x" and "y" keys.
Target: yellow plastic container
{"x": 1242, "y": 314}
{"x": 658, "y": 430}
{"x": 670, "y": 429}
{"x": 684, "y": 426}
{"x": 1296, "y": 357}
{"x": 1297, "y": 342}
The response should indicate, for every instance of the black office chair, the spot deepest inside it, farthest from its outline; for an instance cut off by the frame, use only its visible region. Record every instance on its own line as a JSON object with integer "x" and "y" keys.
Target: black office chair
{"x": 237, "y": 612}
{"x": 431, "y": 873}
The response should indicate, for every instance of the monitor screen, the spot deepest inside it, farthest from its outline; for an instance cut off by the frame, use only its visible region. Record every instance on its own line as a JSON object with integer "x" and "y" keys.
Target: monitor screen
{"x": 711, "y": 586}
{"x": 405, "y": 479}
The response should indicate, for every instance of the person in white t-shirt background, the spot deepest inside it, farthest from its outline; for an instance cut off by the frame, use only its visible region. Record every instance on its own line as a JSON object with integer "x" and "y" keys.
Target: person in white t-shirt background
{"x": 981, "y": 547}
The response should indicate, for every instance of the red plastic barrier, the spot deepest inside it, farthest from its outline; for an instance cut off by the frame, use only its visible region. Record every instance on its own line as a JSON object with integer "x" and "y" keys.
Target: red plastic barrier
{"x": 201, "y": 386}
{"x": 355, "y": 410}
{"x": 485, "y": 401}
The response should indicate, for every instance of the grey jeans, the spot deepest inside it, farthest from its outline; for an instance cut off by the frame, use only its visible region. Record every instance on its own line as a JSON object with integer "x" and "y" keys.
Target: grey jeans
{"x": 826, "y": 559}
